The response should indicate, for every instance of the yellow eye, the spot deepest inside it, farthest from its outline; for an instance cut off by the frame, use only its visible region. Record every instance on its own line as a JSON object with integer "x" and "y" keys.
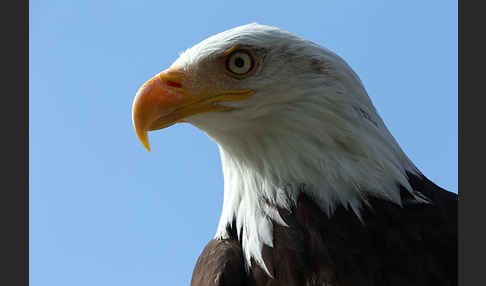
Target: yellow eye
{"x": 240, "y": 63}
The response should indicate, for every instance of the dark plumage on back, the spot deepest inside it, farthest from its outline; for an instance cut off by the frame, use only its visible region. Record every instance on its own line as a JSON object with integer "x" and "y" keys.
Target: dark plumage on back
{"x": 220, "y": 263}
{"x": 411, "y": 245}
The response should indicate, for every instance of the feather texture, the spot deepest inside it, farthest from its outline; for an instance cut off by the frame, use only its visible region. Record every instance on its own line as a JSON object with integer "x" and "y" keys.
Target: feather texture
{"x": 316, "y": 189}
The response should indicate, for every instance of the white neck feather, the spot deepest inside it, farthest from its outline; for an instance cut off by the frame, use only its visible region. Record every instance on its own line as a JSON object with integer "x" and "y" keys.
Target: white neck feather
{"x": 347, "y": 154}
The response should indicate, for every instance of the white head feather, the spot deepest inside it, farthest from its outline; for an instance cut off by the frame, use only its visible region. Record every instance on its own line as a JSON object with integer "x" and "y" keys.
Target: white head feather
{"x": 310, "y": 122}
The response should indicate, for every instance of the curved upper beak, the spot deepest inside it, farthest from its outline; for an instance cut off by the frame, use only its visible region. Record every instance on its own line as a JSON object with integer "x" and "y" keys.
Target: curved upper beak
{"x": 163, "y": 101}
{"x": 156, "y": 97}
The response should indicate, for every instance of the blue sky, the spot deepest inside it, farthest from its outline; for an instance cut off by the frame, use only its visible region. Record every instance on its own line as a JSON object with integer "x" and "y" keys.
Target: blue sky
{"x": 104, "y": 211}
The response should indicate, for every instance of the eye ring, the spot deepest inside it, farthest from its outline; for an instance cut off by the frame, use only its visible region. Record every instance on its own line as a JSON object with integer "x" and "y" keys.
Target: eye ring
{"x": 240, "y": 63}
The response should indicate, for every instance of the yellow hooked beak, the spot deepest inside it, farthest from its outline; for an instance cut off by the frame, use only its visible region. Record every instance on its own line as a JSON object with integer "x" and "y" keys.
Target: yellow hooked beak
{"x": 162, "y": 101}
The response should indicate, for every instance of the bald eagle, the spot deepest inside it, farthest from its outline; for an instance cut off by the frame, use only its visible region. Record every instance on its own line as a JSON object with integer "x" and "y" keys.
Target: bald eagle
{"x": 316, "y": 189}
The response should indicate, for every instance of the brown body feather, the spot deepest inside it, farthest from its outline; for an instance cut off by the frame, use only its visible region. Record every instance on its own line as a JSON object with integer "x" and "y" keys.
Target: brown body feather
{"x": 411, "y": 245}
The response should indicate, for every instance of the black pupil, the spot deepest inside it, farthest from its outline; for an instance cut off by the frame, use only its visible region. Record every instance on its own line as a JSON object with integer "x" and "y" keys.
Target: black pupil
{"x": 239, "y": 62}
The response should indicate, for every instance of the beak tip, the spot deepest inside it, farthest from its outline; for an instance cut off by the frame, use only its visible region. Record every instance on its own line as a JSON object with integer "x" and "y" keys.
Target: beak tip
{"x": 142, "y": 136}
{"x": 146, "y": 143}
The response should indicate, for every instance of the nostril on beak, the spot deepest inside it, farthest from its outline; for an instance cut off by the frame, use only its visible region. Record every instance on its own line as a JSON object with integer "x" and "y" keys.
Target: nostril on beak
{"x": 174, "y": 84}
